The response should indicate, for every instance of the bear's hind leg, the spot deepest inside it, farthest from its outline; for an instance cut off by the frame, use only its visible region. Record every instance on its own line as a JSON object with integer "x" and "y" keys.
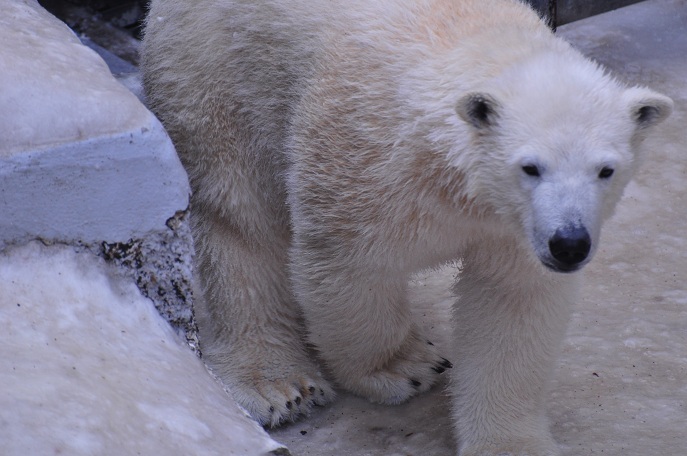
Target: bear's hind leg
{"x": 250, "y": 329}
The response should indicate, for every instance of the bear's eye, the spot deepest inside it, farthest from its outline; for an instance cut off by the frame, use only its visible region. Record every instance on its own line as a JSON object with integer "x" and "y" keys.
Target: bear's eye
{"x": 606, "y": 172}
{"x": 531, "y": 170}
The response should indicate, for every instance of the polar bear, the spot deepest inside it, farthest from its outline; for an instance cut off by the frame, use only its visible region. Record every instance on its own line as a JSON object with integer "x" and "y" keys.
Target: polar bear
{"x": 336, "y": 147}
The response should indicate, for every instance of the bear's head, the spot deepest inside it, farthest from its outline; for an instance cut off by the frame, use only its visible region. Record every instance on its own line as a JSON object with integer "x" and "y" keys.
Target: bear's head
{"x": 555, "y": 140}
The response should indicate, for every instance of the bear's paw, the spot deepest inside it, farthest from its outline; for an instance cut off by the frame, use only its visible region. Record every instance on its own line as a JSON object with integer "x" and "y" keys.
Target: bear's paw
{"x": 275, "y": 401}
{"x": 414, "y": 368}
{"x": 274, "y": 382}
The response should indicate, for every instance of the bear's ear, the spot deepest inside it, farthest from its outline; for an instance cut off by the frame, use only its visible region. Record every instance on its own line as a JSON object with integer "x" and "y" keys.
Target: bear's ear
{"x": 478, "y": 109}
{"x": 647, "y": 108}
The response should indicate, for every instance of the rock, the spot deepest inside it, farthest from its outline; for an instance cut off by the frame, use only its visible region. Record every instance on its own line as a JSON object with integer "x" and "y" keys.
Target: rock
{"x": 83, "y": 162}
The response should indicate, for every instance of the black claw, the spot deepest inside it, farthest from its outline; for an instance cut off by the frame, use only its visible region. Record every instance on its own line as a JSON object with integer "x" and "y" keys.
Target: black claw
{"x": 289, "y": 405}
{"x": 438, "y": 369}
{"x": 312, "y": 390}
{"x": 429, "y": 342}
{"x": 298, "y": 400}
{"x": 446, "y": 363}
{"x": 271, "y": 409}
{"x": 415, "y": 383}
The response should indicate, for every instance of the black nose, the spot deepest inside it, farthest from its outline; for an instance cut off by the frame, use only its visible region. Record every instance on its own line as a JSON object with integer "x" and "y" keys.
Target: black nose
{"x": 570, "y": 246}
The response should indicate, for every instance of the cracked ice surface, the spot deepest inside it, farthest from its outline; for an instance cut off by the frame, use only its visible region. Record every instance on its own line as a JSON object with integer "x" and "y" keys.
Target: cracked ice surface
{"x": 88, "y": 367}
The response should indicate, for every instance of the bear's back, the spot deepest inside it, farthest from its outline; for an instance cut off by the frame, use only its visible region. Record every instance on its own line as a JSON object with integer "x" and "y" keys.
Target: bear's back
{"x": 245, "y": 63}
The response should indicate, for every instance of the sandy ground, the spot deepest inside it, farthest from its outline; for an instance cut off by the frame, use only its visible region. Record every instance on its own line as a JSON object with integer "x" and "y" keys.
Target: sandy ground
{"x": 621, "y": 384}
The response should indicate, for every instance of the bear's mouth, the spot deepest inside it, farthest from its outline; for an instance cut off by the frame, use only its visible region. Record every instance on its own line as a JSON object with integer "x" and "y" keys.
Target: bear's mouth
{"x": 556, "y": 266}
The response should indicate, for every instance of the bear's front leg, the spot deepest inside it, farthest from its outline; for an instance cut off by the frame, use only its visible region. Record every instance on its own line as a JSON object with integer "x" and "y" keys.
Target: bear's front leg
{"x": 511, "y": 317}
{"x": 358, "y": 318}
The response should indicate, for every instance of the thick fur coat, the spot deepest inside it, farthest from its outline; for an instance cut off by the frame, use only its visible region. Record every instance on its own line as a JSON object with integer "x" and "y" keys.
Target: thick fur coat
{"x": 336, "y": 147}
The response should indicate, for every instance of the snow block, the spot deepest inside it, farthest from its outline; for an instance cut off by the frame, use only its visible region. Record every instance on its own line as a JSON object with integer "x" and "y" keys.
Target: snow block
{"x": 88, "y": 367}
{"x": 80, "y": 157}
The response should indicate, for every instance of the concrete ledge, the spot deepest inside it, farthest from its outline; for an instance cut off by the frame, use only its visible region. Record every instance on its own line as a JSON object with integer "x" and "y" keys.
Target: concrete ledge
{"x": 111, "y": 187}
{"x": 80, "y": 157}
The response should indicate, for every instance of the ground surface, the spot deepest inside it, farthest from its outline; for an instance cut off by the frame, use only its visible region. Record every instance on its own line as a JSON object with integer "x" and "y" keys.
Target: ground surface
{"x": 621, "y": 384}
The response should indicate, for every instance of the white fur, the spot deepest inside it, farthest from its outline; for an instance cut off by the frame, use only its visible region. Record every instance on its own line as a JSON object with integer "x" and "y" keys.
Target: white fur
{"x": 333, "y": 149}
